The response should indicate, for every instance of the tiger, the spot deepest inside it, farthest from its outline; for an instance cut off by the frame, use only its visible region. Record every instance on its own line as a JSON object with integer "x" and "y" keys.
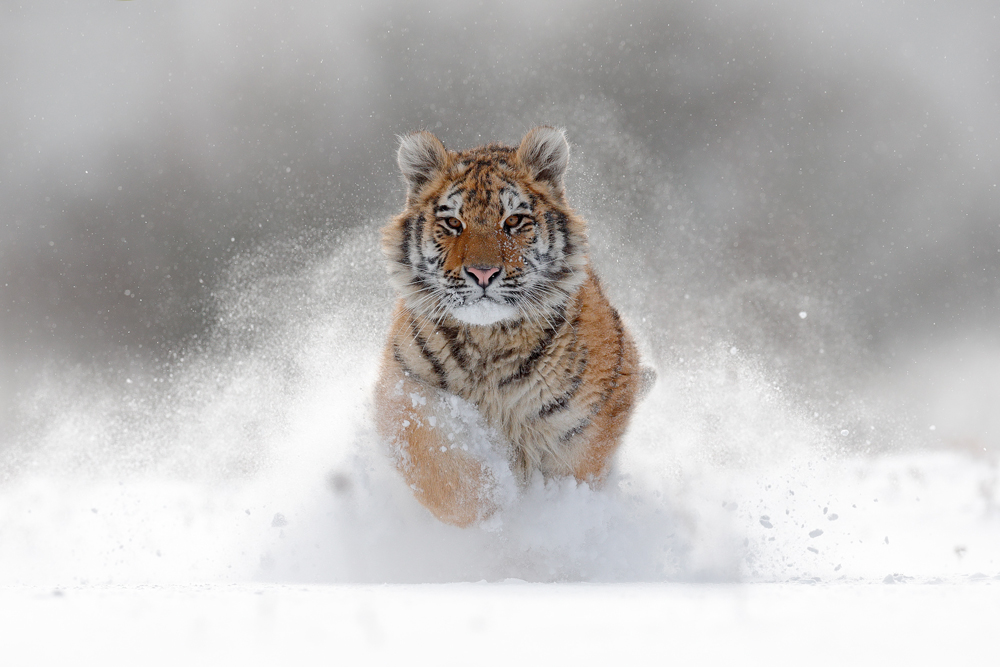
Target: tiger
{"x": 504, "y": 359}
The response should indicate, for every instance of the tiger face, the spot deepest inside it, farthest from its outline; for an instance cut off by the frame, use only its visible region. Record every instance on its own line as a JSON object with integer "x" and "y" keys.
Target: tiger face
{"x": 486, "y": 236}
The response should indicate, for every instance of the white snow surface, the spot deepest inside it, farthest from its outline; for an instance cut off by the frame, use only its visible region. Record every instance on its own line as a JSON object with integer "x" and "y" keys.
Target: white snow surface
{"x": 502, "y": 624}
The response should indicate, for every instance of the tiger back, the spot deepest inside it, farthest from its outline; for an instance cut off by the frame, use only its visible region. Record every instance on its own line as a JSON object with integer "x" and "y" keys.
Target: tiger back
{"x": 501, "y": 317}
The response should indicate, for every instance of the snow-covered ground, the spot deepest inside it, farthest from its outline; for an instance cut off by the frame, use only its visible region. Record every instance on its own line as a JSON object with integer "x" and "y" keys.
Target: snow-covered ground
{"x": 904, "y": 572}
{"x": 503, "y": 623}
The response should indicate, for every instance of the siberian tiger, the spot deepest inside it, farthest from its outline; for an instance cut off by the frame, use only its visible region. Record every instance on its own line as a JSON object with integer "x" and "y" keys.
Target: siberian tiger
{"x": 500, "y": 317}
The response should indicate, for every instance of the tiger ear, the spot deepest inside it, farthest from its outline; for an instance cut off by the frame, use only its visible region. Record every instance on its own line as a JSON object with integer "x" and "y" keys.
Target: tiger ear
{"x": 421, "y": 155}
{"x": 545, "y": 152}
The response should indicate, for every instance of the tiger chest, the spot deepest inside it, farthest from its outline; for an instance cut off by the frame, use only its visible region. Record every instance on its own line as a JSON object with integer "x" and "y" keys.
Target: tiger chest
{"x": 529, "y": 393}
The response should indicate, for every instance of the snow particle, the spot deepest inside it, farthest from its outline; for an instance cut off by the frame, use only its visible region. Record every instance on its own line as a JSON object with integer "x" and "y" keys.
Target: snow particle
{"x": 832, "y": 517}
{"x": 339, "y": 483}
{"x": 815, "y": 533}
{"x": 802, "y": 314}
{"x": 766, "y": 521}
{"x": 279, "y": 520}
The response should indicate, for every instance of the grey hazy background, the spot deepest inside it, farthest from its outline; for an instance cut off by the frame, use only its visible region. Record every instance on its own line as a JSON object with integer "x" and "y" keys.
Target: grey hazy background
{"x": 740, "y": 163}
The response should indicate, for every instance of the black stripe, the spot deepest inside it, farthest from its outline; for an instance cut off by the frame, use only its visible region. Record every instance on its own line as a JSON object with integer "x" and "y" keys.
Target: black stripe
{"x": 418, "y": 233}
{"x": 436, "y": 366}
{"x": 529, "y": 363}
{"x": 504, "y": 356}
{"x": 555, "y": 406}
{"x": 402, "y": 364}
{"x": 562, "y": 223}
{"x": 455, "y": 348}
{"x": 509, "y": 327}
{"x": 421, "y": 283}
{"x": 552, "y": 233}
{"x": 556, "y": 275}
{"x": 407, "y": 230}
{"x": 575, "y": 431}
{"x": 562, "y": 403}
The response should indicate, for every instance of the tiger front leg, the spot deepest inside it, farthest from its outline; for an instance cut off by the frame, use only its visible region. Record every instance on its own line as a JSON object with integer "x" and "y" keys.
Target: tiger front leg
{"x": 450, "y": 476}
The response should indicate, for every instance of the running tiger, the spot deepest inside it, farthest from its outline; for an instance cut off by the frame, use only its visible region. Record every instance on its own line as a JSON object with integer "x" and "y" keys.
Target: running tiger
{"x": 504, "y": 358}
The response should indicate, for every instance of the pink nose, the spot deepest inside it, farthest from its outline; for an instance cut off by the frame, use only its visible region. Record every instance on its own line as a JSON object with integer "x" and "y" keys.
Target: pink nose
{"x": 483, "y": 275}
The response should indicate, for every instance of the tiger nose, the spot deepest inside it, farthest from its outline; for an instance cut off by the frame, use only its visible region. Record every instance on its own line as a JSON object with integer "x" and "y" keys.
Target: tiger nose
{"x": 483, "y": 274}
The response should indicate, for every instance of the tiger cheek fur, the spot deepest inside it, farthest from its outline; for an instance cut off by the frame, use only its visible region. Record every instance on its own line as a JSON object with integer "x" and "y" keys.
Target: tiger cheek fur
{"x": 500, "y": 312}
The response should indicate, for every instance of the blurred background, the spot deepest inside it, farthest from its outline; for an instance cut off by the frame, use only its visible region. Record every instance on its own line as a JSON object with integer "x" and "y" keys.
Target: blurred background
{"x": 813, "y": 186}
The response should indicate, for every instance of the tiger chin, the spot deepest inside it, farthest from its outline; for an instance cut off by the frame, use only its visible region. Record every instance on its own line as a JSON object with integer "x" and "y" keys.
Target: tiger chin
{"x": 505, "y": 358}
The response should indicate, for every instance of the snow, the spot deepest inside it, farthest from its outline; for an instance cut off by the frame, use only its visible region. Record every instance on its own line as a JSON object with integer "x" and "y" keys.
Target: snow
{"x": 504, "y": 623}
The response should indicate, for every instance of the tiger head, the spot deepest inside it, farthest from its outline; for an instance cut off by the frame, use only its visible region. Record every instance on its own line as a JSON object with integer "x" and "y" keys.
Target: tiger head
{"x": 486, "y": 235}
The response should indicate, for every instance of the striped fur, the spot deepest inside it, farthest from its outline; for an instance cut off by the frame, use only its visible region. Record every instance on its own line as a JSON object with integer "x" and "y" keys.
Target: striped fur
{"x": 539, "y": 353}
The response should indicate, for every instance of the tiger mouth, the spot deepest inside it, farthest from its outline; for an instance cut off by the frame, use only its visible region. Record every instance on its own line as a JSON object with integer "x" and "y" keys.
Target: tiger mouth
{"x": 484, "y": 297}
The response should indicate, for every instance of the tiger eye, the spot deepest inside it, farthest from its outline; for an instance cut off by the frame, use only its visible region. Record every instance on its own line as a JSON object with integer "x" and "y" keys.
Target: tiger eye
{"x": 514, "y": 221}
{"x": 454, "y": 223}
